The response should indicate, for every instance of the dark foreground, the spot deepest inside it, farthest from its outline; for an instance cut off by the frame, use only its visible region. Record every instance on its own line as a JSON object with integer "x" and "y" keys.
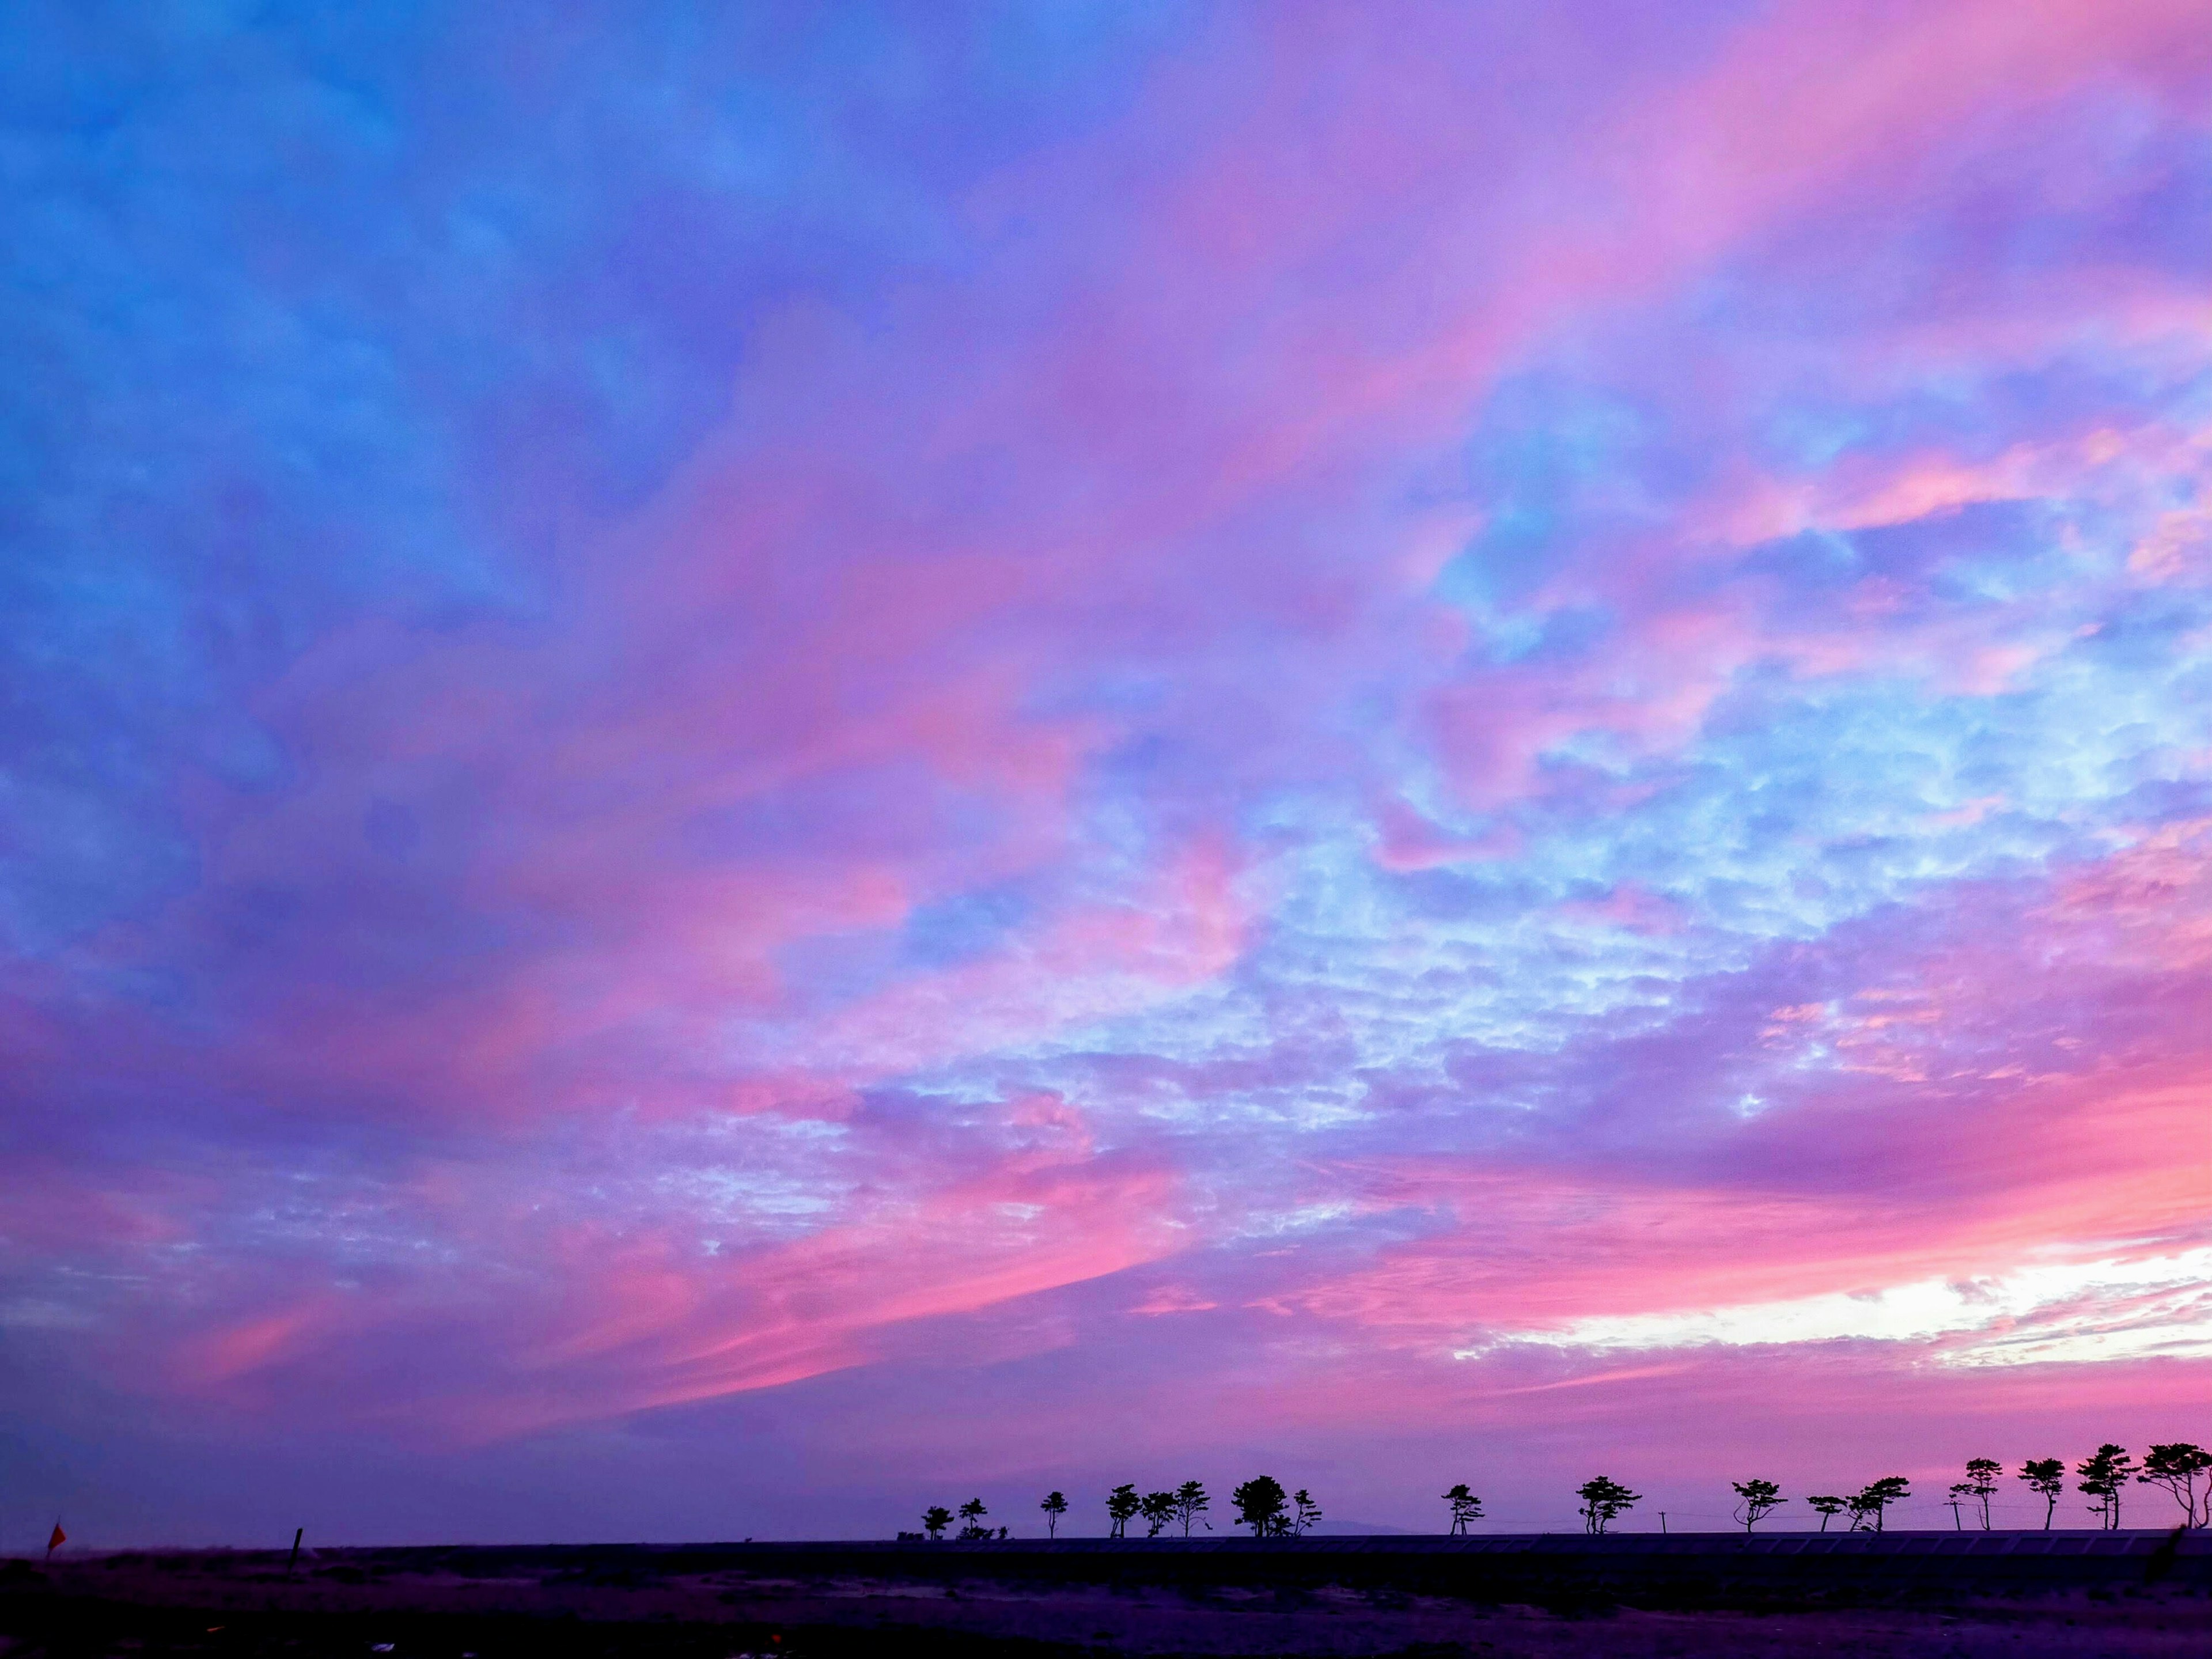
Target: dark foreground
{"x": 2024, "y": 1595}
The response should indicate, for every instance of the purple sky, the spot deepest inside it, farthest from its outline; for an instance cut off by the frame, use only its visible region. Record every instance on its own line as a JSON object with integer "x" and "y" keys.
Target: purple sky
{"x": 762, "y": 763}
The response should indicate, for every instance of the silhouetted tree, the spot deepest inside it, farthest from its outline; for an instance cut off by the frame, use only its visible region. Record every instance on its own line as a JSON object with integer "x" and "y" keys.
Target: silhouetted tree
{"x": 1828, "y": 1507}
{"x": 971, "y": 1515}
{"x": 1308, "y": 1511}
{"x": 935, "y": 1519}
{"x": 1758, "y": 1497}
{"x": 1120, "y": 1504}
{"x": 1602, "y": 1501}
{"x": 2046, "y": 1477}
{"x": 2103, "y": 1477}
{"x": 1981, "y": 1484}
{"x": 1465, "y": 1507}
{"x": 1190, "y": 1501}
{"x": 2176, "y": 1467}
{"x": 1868, "y": 1507}
{"x": 1259, "y": 1503}
{"x": 1055, "y": 1506}
{"x": 1960, "y": 1493}
{"x": 1158, "y": 1509}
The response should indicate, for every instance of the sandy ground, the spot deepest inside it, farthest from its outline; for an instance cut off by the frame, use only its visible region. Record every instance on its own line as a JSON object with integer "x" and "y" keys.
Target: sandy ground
{"x": 220, "y": 1606}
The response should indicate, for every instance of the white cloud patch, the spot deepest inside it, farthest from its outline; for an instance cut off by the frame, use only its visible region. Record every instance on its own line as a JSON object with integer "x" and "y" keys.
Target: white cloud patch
{"x": 2074, "y": 1311}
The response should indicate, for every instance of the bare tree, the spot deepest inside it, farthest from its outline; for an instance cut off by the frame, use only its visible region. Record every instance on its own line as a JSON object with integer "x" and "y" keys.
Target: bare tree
{"x": 2176, "y": 1466}
{"x": 1758, "y": 1497}
{"x": 1121, "y": 1504}
{"x": 1465, "y": 1507}
{"x": 2104, "y": 1476}
{"x": 1191, "y": 1501}
{"x": 1603, "y": 1500}
{"x": 1055, "y": 1506}
{"x": 2046, "y": 1477}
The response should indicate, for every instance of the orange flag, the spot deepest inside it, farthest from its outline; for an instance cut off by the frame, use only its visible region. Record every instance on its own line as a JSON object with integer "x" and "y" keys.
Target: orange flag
{"x": 59, "y": 1539}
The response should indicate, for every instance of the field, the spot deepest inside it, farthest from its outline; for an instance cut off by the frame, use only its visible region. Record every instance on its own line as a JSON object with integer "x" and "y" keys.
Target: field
{"x": 2028, "y": 1594}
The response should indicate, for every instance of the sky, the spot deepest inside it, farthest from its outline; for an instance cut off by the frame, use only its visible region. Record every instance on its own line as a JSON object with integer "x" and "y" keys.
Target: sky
{"x": 762, "y": 763}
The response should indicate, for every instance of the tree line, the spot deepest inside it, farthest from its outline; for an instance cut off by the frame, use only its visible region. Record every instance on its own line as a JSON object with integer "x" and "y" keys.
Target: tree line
{"x": 1263, "y": 1505}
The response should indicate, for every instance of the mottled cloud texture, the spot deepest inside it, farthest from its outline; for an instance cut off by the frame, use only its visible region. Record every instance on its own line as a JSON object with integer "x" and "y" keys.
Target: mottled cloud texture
{"x": 761, "y": 765}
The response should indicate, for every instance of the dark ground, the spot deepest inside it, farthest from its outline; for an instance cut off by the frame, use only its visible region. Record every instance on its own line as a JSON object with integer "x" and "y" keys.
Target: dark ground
{"x": 1623, "y": 1599}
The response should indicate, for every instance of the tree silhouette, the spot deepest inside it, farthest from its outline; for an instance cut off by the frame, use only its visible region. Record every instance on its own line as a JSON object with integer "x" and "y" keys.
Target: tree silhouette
{"x": 1829, "y": 1507}
{"x": 1120, "y": 1504}
{"x": 1602, "y": 1501}
{"x": 971, "y": 1515}
{"x": 1962, "y": 1492}
{"x": 1190, "y": 1500}
{"x": 1308, "y": 1511}
{"x": 1465, "y": 1507}
{"x": 1055, "y": 1506}
{"x": 2176, "y": 1466}
{"x": 1158, "y": 1509}
{"x": 2103, "y": 1477}
{"x": 1259, "y": 1503}
{"x": 1868, "y": 1507}
{"x": 2046, "y": 1477}
{"x": 1980, "y": 1483}
{"x": 1758, "y": 1497}
{"x": 935, "y": 1519}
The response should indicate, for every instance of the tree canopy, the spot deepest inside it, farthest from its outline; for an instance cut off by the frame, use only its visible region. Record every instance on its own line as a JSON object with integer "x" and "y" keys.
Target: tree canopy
{"x": 2046, "y": 1477}
{"x": 1603, "y": 1500}
{"x": 1121, "y": 1504}
{"x": 1259, "y": 1503}
{"x": 1190, "y": 1502}
{"x": 2105, "y": 1476}
{"x": 1756, "y": 1497}
{"x": 2177, "y": 1467}
{"x": 1868, "y": 1506}
{"x": 1465, "y": 1507}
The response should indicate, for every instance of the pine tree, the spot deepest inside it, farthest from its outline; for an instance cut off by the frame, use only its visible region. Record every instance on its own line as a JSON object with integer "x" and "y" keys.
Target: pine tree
{"x": 1121, "y": 1504}
{"x": 1190, "y": 1501}
{"x": 2104, "y": 1476}
{"x": 1465, "y": 1507}
{"x": 1259, "y": 1503}
{"x": 2046, "y": 1477}
{"x": 1604, "y": 1500}
{"x": 1758, "y": 1497}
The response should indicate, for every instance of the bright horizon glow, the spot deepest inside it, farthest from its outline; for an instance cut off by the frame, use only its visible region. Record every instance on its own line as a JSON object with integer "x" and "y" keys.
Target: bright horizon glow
{"x": 2076, "y": 1312}
{"x": 762, "y": 763}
